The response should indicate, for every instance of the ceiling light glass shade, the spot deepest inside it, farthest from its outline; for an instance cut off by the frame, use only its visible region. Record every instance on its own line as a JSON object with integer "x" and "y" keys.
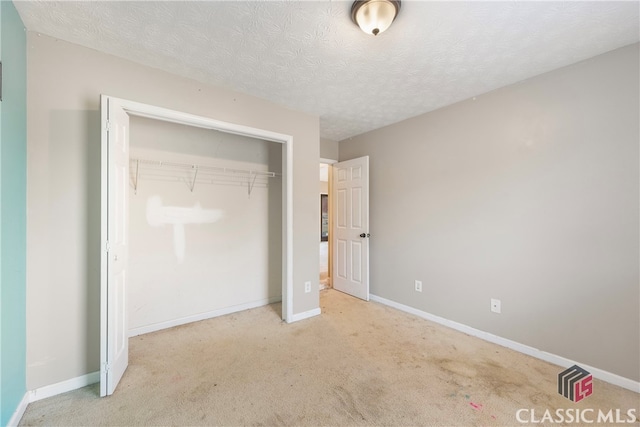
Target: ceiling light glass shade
{"x": 374, "y": 16}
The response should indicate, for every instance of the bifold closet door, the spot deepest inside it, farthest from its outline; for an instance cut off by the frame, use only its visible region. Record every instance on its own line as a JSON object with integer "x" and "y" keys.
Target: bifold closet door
{"x": 114, "y": 351}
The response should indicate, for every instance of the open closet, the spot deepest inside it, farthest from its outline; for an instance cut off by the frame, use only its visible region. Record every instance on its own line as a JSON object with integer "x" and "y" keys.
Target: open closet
{"x": 205, "y": 224}
{"x": 201, "y": 260}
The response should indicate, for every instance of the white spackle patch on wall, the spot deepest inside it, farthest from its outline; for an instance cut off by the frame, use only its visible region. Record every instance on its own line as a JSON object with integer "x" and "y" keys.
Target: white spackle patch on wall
{"x": 158, "y": 215}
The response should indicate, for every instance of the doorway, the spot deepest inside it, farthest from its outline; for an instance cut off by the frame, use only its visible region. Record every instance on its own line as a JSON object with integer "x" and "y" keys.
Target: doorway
{"x": 325, "y": 224}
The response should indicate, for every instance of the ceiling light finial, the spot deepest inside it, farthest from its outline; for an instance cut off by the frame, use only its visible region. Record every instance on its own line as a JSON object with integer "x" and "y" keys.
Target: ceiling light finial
{"x": 374, "y": 16}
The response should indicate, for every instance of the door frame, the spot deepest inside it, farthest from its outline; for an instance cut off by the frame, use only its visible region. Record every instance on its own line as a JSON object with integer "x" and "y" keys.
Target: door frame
{"x": 163, "y": 114}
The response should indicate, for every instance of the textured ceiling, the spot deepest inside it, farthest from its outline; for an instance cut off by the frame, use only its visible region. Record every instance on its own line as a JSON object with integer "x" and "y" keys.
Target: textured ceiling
{"x": 309, "y": 56}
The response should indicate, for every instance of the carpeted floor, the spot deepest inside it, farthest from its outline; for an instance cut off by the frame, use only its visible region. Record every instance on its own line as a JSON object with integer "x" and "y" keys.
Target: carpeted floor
{"x": 358, "y": 363}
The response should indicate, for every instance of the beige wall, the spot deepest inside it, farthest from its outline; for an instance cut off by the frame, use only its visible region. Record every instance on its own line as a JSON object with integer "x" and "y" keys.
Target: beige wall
{"x": 63, "y": 269}
{"x": 222, "y": 263}
{"x": 528, "y": 194}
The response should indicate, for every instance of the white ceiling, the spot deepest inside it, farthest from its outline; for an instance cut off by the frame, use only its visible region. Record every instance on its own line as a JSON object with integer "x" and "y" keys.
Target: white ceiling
{"x": 309, "y": 56}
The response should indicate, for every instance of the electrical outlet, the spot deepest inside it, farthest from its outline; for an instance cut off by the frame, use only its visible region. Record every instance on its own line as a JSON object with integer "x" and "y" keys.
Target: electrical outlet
{"x": 495, "y": 305}
{"x": 418, "y": 286}
{"x": 307, "y": 287}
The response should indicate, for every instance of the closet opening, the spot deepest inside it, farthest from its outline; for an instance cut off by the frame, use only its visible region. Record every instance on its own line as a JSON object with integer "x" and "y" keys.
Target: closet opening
{"x": 167, "y": 172}
{"x": 205, "y": 224}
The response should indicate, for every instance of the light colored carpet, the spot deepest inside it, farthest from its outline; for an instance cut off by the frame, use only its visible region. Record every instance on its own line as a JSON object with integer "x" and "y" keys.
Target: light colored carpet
{"x": 358, "y": 363}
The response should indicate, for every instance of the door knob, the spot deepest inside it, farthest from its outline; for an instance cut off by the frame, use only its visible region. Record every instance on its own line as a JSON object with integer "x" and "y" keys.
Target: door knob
{"x": 363, "y": 235}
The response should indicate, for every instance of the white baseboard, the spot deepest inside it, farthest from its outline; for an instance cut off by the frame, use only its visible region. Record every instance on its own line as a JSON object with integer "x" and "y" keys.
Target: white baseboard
{"x": 304, "y": 315}
{"x": 19, "y": 412}
{"x": 603, "y": 375}
{"x": 64, "y": 386}
{"x": 201, "y": 316}
{"x": 94, "y": 377}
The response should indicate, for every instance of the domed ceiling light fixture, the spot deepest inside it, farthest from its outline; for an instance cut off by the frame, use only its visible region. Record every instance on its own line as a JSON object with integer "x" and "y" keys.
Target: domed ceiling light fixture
{"x": 374, "y": 16}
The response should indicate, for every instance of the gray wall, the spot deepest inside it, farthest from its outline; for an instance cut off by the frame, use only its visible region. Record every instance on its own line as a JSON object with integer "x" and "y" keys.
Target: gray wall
{"x": 528, "y": 194}
{"x": 63, "y": 184}
{"x": 329, "y": 149}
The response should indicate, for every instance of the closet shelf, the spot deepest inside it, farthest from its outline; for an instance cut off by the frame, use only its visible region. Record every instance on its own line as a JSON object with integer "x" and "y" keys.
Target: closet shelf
{"x": 191, "y": 174}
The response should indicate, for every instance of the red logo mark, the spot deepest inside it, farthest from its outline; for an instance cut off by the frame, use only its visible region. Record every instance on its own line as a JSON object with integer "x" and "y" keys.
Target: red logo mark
{"x": 583, "y": 388}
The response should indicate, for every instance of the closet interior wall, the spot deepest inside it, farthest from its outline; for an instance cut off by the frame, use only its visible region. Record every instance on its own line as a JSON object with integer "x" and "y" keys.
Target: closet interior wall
{"x": 205, "y": 224}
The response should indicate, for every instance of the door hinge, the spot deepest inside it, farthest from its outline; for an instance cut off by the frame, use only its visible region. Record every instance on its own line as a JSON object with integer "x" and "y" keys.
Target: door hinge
{"x": 106, "y": 367}
{"x": 107, "y": 126}
{"x": 107, "y": 246}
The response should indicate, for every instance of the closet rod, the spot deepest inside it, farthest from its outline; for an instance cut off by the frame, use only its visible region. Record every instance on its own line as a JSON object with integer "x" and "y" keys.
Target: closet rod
{"x": 203, "y": 168}
{"x": 248, "y": 176}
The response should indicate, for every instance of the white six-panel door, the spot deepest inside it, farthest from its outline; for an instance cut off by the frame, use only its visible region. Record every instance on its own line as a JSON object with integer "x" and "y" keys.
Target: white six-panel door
{"x": 351, "y": 229}
{"x": 114, "y": 351}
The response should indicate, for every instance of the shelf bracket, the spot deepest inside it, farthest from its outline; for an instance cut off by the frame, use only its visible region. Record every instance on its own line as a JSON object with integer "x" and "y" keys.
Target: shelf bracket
{"x": 135, "y": 182}
{"x": 195, "y": 175}
{"x": 250, "y": 182}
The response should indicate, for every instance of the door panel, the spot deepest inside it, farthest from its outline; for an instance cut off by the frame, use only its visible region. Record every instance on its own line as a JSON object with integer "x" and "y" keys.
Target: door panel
{"x": 356, "y": 208}
{"x": 351, "y": 204}
{"x": 341, "y": 260}
{"x": 356, "y": 262}
{"x": 114, "y": 352}
{"x": 341, "y": 206}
